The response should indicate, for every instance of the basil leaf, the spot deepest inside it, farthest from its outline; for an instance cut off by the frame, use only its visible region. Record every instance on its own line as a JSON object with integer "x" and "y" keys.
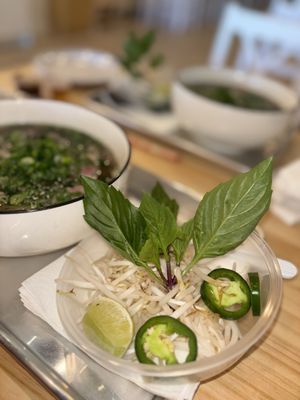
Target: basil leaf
{"x": 160, "y": 220}
{"x": 159, "y": 194}
{"x": 115, "y": 218}
{"x": 132, "y": 48}
{"x": 185, "y": 233}
{"x": 135, "y": 48}
{"x": 150, "y": 252}
{"x": 156, "y": 61}
{"x": 146, "y": 41}
{"x": 229, "y": 213}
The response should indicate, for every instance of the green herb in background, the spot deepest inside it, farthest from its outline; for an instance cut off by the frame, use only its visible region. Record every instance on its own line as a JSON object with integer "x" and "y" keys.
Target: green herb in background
{"x": 136, "y": 49}
{"x": 149, "y": 235}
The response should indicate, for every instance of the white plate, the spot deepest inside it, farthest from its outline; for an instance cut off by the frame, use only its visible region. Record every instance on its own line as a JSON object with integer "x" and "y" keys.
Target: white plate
{"x": 134, "y": 116}
{"x": 76, "y": 66}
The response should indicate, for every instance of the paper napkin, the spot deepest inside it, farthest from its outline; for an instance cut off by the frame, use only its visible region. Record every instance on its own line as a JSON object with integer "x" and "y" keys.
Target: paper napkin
{"x": 286, "y": 193}
{"x": 32, "y": 292}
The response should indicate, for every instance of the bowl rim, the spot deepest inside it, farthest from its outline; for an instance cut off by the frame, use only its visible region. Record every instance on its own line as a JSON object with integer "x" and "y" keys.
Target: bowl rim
{"x": 76, "y": 106}
{"x": 226, "y": 357}
{"x": 231, "y": 71}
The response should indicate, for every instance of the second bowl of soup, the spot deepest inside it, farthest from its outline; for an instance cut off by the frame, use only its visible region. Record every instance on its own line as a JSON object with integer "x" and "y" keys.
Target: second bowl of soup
{"x": 232, "y": 111}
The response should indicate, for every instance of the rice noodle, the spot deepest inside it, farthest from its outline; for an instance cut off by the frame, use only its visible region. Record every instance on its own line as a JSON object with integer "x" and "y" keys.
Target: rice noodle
{"x": 168, "y": 297}
{"x": 182, "y": 309}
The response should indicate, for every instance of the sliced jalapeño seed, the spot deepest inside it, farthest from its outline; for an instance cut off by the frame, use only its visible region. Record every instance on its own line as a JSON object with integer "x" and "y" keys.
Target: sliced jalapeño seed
{"x": 255, "y": 292}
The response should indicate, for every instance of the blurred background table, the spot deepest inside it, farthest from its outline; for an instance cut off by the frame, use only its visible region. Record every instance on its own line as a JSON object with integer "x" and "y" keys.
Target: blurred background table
{"x": 271, "y": 371}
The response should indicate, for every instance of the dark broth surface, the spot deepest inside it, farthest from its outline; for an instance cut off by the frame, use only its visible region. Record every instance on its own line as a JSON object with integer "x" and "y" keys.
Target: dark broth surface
{"x": 233, "y": 96}
{"x": 40, "y": 165}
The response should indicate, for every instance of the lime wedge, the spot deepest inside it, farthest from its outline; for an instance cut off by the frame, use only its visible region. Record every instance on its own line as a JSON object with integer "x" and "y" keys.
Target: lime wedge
{"x": 108, "y": 324}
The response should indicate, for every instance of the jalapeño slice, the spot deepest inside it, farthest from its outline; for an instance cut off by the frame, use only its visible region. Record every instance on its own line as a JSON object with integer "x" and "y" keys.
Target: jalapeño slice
{"x": 255, "y": 292}
{"x": 231, "y": 301}
{"x": 153, "y": 340}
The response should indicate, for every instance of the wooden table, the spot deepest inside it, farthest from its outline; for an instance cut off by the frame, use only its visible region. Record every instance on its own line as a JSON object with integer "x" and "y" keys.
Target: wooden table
{"x": 270, "y": 371}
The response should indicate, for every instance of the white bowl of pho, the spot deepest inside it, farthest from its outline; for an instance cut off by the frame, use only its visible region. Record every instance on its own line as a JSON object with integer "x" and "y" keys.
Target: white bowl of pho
{"x": 233, "y": 111}
{"x": 46, "y": 146}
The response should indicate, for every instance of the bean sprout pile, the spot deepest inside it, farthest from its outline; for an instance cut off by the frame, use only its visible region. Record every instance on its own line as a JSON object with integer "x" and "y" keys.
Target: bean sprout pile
{"x": 119, "y": 279}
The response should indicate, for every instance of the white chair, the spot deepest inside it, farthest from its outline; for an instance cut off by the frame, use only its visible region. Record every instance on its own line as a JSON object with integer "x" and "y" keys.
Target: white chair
{"x": 289, "y": 9}
{"x": 267, "y": 44}
{"x": 174, "y": 15}
{"x": 21, "y": 21}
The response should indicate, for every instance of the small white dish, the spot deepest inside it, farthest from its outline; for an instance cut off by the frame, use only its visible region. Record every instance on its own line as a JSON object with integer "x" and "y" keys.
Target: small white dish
{"x": 134, "y": 116}
{"x": 288, "y": 269}
{"x": 76, "y": 66}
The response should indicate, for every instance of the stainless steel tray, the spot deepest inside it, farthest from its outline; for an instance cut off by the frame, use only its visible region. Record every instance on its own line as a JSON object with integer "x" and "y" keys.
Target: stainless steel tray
{"x": 37, "y": 345}
{"x": 100, "y": 101}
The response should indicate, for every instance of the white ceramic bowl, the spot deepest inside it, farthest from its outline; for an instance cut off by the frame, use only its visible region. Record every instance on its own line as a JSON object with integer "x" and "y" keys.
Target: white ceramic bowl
{"x": 56, "y": 227}
{"x": 227, "y": 128}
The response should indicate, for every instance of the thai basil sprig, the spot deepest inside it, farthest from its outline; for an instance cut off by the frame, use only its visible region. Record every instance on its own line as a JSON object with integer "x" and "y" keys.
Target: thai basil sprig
{"x": 149, "y": 235}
